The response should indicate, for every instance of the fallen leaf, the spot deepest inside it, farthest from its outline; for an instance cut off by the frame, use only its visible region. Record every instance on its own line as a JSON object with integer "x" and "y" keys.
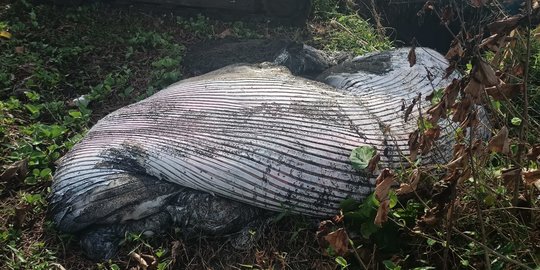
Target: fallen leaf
{"x": 531, "y": 177}
{"x": 16, "y": 170}
{"x": 5, "y": 34}
{"x": 339, "y": 241}
{"x": 226, "y": 33}
{"x": 384, "y": 181}
{"x": 504, "y": 91}
{"x": 59, "y": 266}
{"x": 382, "y": 213}
{"x": 414, "y": 179}
{"x": 140, "y": 261}
{"x": 412, "y": 57}
{"x": 534, "y": 153}
{"x": 510, "y": 176}
{"x": 21, "y": 212}
{"x": 19, "y": 49}
{"x": 499, "y": 143}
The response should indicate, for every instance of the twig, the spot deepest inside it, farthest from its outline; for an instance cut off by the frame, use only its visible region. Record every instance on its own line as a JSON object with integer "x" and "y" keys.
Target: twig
{"x": 356, "y": 255}
{"x": 523, "y": 129}
{"x": 477, "y": 191}
{"x": 499, "y": 255}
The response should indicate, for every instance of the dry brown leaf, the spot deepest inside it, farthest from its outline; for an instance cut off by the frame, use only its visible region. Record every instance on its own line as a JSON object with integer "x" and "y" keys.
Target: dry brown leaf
{"x": 465, "y": 175}
{"x": 17, "y": 170}
{"x": 339, "y": 241}
{"x": 451, "y": 92}
{"x": 410, "y": 108}
{"x": 531, "y": 177}
{"x": 510, "y": 176}
{"x": 504, "y": 91}
{"x": 414, "y": 144}
{"x": 500, "y": 143}
{"x": 406, "y": 188}
{"x": 19, "y": 50}
{"x": 447, "y": 14}
{"x": 475, "y": 90}
{"x": 455, "y": 51}
{"x": 384, "y": 182}
{"x": 373, "y": 162}
{"x": 493, "y": 42}
{"x": 504, "y": 26}
{"x": 382, "y": 213}
{"x": 175, "y": 250}
{"x": 226, "y": 33}
{"x": 150, "y": 260}
{"x": 534, "y": 153}
{"x": 433, "y": 133}
{"x": 412, "y": 57}
{"x": 429, "y": 218}
{"x": 21, "y": 212}
{"x": 485, "y": 74}
{"x": 140, "y": 261}
{"x": 457, "y": 163}
{"x": 461, "y": 110}
{"x": 337, "y": 219}
{"x": 436, "y": 112}
{"x": 518, "y": 70}
{"x": 428, "y": 6}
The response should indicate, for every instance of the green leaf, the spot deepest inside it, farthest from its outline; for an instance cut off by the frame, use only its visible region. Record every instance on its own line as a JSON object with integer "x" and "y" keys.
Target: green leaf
{"x": 33, "y": 109}
{"x": 45, "y": 173}
{"x": 390, "y": 265}
{"x": 516, "y": 121}
{"x": 348, "y": 205}
{"x": 393, "y": 198}
{"x": 360, "y": 156}
{"x": 430, "y": 242}
{"x": 75, "y": 114}
{"x": 341, "y": 261}
{"x": 31, "y": 95}
{"x": 368, "y": 228}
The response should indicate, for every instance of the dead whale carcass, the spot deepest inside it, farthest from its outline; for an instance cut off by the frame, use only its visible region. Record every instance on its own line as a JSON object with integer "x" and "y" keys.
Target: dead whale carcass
{"x": 247, "y": 135}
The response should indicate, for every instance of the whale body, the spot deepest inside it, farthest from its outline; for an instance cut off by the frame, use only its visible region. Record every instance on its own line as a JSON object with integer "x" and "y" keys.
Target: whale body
{"x": 254, "y": 135}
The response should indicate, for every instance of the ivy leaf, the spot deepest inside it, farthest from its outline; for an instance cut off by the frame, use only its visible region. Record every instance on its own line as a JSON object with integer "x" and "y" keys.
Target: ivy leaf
{"x": 360, "y": 156}
{"x": 516, "y": 121}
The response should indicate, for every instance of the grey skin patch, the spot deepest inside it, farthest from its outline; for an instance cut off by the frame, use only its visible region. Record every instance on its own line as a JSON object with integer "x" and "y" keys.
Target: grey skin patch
{"x": 193, "y": 212}
{"x": 379, "y": 64}
{"x": 126, "y": 196}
